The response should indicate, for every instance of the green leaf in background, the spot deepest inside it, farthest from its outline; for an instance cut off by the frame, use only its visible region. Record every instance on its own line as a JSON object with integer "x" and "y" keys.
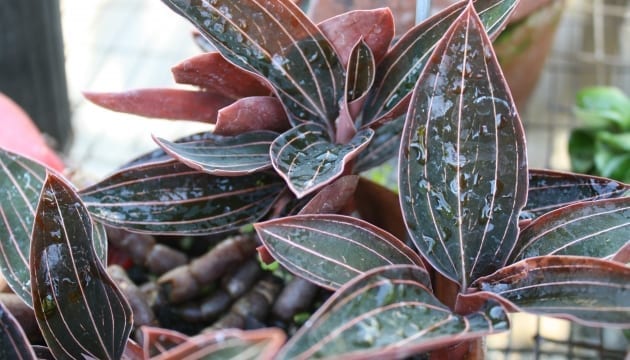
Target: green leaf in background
{"x": 13, "y": 341}
{"x": 81, "y": 312}
{"x": 330, "y": 250}
{"x": 21, "y": 182}
{"x": 591, "y": 291}
{"x": 397, "y": 74}
{"x": 550, "y": 190}
{"x": 582, "y": 150}
{"x": 610, "y": 161}
{"x": 603, "y": 107}
{"x": 172, "y": 198}
{"x": 278, "y": 41}
{"x": 463, "y": 169}
{"x": 595, "y": 229}
{"x": 388, "y": 313}
{"x": 224, "y": 155}
{"x": 307, "y": 159}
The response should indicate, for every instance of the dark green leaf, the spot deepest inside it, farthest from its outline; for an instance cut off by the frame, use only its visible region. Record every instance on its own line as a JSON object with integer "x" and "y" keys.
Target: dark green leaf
{"x": 360, "y": 72}
{"x": 278, "y": 41}
{"x": 171, "y": 198}
{"x": 463, "y": 169}
{"x": 13, "y": 341}
{"x": 591, "y": 291}
{"x": 603, "y": 107}
{"x": 78, "y": 307}
{"x": 330, "y": 250}
{"x": 582, "y": 150}
{"x": 550, "y": 190}
{"x": 21, "y": 181}
{"x": 388, "y": 313}
{"x": 260, "y": 344}
{"x": 224, "y": 155}
{"x": 307, "y": 159}
{"x": 384, "y": 145}
{"x": 398, "y": 72}
{"x": 596, "y": 229}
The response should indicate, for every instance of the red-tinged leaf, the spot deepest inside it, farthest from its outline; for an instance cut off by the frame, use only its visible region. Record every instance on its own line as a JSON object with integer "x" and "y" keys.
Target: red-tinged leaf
{"x": 79, "y": 309}
{"x": 359, "y": 73}
{"x": 623, "y": 255}
{"x": 228, "y": 344}
{"x": 330, "y": 250}
{"x": 595, "y": 229}
{"x": 275, "y": 39}
{"x": 212, "y": 72}
{"x": 251, "y": 114}
{"x": 172, "y": 198}
{"x": 380, "y": 206}
{"x": 388, "y": 313}
{"x": 550, "y": 190}
{"x": 332, "y": 198}
{"x": 21, "y": 182}
{"x": 399, "y": 71}
{"x": 13, "y": 341}
{"x": 376, "y": 27}
{"x": 590, "y": 291}
{"x": 173, "y": 104}
{"x": 156, "y": 341}
{"x": 463, "y": 167}
{"x": 307, "y": 159}
{"x": 224, "y": 155}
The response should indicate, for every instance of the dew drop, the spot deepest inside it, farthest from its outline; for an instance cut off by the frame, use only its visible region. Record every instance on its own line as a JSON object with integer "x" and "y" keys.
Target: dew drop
{"x": 218, "y": 27}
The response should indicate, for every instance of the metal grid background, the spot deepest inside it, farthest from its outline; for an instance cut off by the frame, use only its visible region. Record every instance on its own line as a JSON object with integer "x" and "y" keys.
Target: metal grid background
{"x": 591, "y": 47}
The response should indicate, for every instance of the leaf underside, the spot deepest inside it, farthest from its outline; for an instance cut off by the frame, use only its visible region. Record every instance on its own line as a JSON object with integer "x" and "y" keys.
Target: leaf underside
{"x": 171, "y": 198}
{"x": 388, "y": 312}
{"x": 549, "y": 190}
{"x": 463, "y": 168}
{"x": 591, "y": 291}
{"x": 595, "y": 229}
{"x": 307, "y": 159}
{"x": 224, "y": 155}
{"x": 330, "y": 250}
{"x": 276, "y": 40}
{"x": 78, "y": 307}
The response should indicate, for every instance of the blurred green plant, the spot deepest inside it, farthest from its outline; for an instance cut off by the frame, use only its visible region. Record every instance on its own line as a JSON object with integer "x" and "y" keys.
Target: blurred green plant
{"x": 602, "y": 146}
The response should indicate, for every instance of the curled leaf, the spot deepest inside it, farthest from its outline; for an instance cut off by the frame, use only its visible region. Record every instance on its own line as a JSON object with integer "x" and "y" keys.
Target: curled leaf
{"x": 251, "y": 114}
{"x": 13, "y": 341}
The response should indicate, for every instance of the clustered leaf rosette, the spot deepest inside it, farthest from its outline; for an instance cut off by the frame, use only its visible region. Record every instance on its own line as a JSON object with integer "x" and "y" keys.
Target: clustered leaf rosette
{"x": 305, "y": 107}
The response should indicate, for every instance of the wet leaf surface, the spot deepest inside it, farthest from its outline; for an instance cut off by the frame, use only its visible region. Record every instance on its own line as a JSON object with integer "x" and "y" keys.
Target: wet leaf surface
{"x": 463, "y": 169}
{"x": 549, "y": 190}
{"x": 330, "y": 250}
{"x": 224, "y": 155}
{"x": 13, "y": 341}
{"x": 78, "y": 308}
{"x": 172, "y": 198}
{"x": 276, "y": 40}
{"x": 591, "y": 291}
{"x": 360, "y": 72}
{"x": 384, "y": 146}
{"x": 307, "y": 159}
{"x": 400, "y": 69}
{"x": 21, "y": 182}
{"x": 596, "y": 229}
{"x": 386, "y": 313}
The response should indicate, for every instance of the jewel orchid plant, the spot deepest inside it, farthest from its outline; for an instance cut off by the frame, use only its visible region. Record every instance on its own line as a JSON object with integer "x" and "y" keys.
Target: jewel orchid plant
{"x": 300, "y": 110}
